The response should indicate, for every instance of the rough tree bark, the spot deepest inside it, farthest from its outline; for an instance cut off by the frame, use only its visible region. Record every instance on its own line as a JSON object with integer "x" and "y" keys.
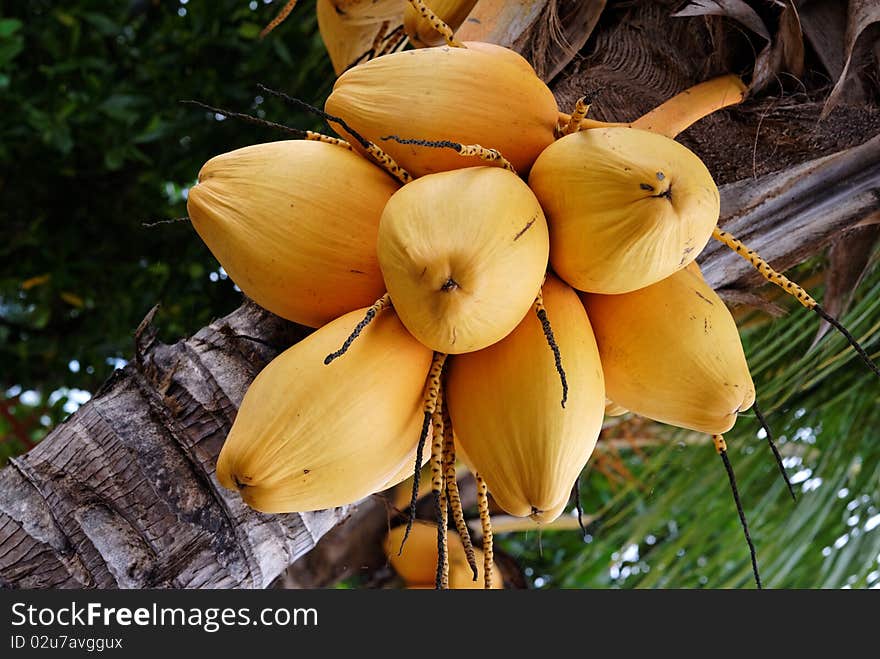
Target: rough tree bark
{"x": 123, "y": 494}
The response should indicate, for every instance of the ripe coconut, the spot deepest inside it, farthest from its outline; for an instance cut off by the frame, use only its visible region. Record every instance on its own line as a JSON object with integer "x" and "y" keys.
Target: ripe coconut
{"x": 433, "y": 94}
{"x": 505, "y": 407}
{"x": 294, "y": 223}
{"x": 463, "y": 254}
{"x": 348, "y": 31}
{"x": 310, "y": 436}
{"x": 417, "y": 563}
{"x": 626, "y": 207}
{"x": 407, "y": 469}
{"x": 671, "y": 352}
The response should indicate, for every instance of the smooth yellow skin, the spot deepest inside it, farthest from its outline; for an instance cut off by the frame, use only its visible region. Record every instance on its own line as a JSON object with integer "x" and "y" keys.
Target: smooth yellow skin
{"x": 463, "y": 226}
{"x": 686, "y": 108}
{"x": 539, "y": 518}
{"x": 407, "y": 469}
{"x": 608, "y": 234}
{"x": 682, "y": 110}
{"x": 310, "y": 436}
{"x": 294, "y": 224}
{"x": 671, "y": 352}
{"x": 420, "y": 32}
{"x": 553, "y": 512}
{"x": 484, "y": 95}
{"x": 505, "y": 404}
{"x": 417, "y": 565}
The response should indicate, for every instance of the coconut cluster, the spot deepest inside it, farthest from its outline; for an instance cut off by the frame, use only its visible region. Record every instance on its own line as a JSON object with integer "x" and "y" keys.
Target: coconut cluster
{"x": 514, "y": 271}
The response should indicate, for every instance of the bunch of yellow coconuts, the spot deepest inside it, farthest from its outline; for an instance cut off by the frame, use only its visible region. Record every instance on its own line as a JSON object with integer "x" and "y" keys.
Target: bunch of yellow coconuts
{"x": 486, "y": 275}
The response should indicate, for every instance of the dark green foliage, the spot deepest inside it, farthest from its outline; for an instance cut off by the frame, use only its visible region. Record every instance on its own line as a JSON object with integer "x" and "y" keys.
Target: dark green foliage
{"x": 94, "y": 143}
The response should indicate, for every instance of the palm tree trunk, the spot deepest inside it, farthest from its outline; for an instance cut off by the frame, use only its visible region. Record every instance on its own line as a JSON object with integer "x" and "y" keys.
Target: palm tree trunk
{"x": 123, "y": 494}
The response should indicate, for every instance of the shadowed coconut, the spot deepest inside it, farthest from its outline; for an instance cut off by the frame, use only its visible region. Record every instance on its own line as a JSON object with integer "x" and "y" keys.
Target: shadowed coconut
{"x": 671, "y": 352}
{"x": 310, "y": 436}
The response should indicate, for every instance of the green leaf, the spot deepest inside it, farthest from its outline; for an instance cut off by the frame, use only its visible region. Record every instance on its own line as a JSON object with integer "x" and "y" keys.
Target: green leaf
{"x": 114, "y": 158}
{"x": 10, "y": 49}
{"x": 102, "y": 23}
{"x": 122, "y": 107}
{"x": 154, "y": 130}
{"x": 9, "y": 26}
{"x": 249, "y": 30}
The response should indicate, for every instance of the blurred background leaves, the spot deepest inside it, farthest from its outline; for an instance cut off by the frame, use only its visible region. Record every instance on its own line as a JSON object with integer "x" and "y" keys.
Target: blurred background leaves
{"x": 93, "y": 144}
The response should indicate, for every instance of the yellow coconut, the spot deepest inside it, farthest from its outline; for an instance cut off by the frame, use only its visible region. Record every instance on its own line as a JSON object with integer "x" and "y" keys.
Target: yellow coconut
{"x": 553, "y": 512}
{"x": 485, "y": 95}
{"x": 461, "y": 577}
{"x": 417, "y": 565}
{"x": 505, "y": 403}
{"x": 348, "y": 28}
{"x": 294, "y": 223}
{"x": 310, "y": 436}
{"x": 420, "y": 31}
{"x": 626, "y": 207}
{"x": 463, "y": 254}
{"x": 671, "y": 352}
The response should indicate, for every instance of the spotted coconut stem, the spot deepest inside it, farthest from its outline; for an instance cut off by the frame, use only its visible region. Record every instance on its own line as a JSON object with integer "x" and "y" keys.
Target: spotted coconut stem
{"x": 453, "y": 493}
{"x": 378, "y": 306}
{"x": 327, "y": 139}
{"x": 388, "y": 163}
{"x": 541, "y": 312}
{"x": 481, "y": 152}
{"x": 486, "y": 525}
{"x": 581, "y": 108}
{"x": 766, "y": 271}
{"x": 764, "y": 268}
{"x": 431, "y": 395}
{"x": 378, "y": 155}
{"x": 721, "y": 447}
{"x": 437, "y": 487}
{"x": 279, "y": 19}
{"x": 439, "y": 25}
